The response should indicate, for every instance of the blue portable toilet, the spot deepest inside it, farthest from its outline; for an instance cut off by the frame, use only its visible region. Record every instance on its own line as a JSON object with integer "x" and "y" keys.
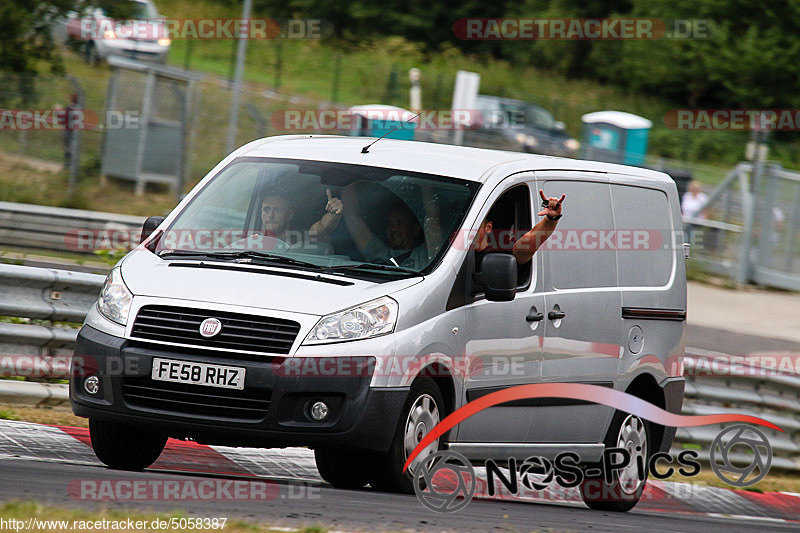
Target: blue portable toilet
{"x": 377, "y": 119}
{"x": 615, "y": 137}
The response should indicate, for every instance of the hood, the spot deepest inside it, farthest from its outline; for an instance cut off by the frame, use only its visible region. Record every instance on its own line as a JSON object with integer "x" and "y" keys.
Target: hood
{"x": 249, "y": 285}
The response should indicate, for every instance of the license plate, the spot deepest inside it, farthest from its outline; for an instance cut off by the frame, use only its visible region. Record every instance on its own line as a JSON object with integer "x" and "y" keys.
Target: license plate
{"x": 227, "y": 377}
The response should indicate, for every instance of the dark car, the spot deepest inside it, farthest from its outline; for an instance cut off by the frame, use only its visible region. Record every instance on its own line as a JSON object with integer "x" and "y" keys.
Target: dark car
{"x": 507, "y": 124}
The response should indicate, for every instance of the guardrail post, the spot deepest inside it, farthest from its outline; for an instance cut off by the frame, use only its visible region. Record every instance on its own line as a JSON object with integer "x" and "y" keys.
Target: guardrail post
{"x": 749, "y": 191}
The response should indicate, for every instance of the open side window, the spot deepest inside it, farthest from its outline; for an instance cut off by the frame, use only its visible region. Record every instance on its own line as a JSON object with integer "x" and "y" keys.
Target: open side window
{"x": 511, "y": 218}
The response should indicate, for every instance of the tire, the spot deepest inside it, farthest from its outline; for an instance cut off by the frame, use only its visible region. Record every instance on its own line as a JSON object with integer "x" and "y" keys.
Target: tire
{"x": 423, "y": 409}
{"x": 344, "y": 469}
{"x": 125, "y": 447}
{"x": 623, "y": 493}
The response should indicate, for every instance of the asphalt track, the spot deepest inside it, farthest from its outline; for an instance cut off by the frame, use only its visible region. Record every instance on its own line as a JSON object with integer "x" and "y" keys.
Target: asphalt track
{"x": 365, "y": 510}
{"x": 46, "y": 475}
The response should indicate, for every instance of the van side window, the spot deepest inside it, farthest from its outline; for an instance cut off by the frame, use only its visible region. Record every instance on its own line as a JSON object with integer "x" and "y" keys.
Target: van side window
{"x": 578, "y": 255}
{"x": 642, "y": 216}
{"x": 511, "y": 218}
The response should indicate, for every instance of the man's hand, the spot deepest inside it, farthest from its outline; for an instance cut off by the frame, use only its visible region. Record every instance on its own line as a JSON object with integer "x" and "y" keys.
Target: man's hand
{"x": 527, "y": 245}
{"x": 334, "y": 206}
{"x": 551, "y": 206}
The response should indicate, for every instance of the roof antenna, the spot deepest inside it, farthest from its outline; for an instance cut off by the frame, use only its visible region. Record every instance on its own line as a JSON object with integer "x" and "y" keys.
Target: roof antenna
{"x": 365, "y": 150}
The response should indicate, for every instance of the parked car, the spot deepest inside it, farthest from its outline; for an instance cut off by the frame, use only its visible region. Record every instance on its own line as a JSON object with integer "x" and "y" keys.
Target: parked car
{"x": 507, "y": 124}
{"x": 140, "y": 36}
{"x": 233, "y": 332}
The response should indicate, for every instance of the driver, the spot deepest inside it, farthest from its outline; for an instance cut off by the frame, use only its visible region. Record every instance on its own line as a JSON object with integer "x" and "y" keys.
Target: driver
{"x": 277, "y": 210}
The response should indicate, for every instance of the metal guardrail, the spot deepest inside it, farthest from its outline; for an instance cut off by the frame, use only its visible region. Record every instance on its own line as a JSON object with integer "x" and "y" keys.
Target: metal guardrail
{"x": 759, "y": 391}
{"x": 752, "y": 232}
{"x": 60, "y": 228}
{"x": 57, "y": 295}
{"x": 28, "y": 293}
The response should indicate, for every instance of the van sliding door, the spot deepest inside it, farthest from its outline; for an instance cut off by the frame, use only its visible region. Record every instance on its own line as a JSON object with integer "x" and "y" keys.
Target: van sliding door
{"x": 582, "y": 307}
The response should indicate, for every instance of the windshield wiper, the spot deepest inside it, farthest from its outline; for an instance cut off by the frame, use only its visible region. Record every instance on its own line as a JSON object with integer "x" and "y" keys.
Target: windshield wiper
{"x": 372, "y": 266}
{"x": 242, "y": 254}
{"x": 265, "y": 258}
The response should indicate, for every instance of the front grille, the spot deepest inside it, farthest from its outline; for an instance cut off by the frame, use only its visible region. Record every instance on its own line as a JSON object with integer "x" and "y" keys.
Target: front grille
{"x": 239, "y": 331}
{"x": 196, "y": 400}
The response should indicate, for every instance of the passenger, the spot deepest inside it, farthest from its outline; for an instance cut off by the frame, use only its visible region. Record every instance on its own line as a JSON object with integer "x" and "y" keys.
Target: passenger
{"x": 529, "y": 243}
{"x": 405, "y": 240}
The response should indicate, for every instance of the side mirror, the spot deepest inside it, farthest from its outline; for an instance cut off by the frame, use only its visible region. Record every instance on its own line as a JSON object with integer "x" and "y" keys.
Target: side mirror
{"x": 498, "y": 277}
{"x": 150, "y": 226}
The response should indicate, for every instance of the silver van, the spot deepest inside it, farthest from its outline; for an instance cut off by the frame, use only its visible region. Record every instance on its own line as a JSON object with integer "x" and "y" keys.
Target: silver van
{"x": 311, "y": 292}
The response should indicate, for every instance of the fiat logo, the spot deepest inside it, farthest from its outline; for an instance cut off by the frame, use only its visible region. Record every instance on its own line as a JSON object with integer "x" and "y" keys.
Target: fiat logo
{"x": 210, "y": 327}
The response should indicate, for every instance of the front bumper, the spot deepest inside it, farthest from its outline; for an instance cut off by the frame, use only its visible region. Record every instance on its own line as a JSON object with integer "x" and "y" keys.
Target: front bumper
{"x": 361, "y": 417}
{"x": 139, "y": 50}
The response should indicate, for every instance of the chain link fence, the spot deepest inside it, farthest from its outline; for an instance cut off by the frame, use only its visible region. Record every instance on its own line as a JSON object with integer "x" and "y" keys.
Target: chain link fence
{"x": 749, "y": 228}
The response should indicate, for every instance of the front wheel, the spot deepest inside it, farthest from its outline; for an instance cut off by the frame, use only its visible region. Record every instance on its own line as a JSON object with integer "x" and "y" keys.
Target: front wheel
{"x": 622, "y": 494}
{"x": 424, "y": 408}
{"x": 125, "y": 447}
{"x": 344, "y": 469}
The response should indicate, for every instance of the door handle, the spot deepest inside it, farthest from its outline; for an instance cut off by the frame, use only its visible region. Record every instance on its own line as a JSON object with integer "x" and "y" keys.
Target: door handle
{"x": 555, "y": 315}
{"x": 534, "y": 317}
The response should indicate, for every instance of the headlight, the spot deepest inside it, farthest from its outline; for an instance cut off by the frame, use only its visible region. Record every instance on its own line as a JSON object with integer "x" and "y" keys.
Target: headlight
{"x": 572, "y": 144}
{"x": 164, "y": 41}
{"x": 115, "y": 298}
{"x": 109, "y": 34}
{"x": 371, "y": 319}
{"x": 526, "y": 140}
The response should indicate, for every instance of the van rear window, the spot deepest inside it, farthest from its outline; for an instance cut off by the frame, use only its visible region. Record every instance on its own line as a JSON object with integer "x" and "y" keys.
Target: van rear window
{"x": 645, "y": 214}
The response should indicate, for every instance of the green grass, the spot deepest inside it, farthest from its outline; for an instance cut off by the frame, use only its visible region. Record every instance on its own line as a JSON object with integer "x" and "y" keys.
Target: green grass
{"x": 8, "y": 414}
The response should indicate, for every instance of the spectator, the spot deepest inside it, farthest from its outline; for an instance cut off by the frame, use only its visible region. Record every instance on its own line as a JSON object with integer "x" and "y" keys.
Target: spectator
{"x": 693, "y": 201}
{"x": 692, "y": 204}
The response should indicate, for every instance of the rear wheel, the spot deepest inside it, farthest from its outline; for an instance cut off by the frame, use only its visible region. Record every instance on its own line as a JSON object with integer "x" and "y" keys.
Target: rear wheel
{"x": 344, "y": 469}
{"x": 125, "y": 447}
{"x": 622, "y": 494}
{"x": 424, "y": 408}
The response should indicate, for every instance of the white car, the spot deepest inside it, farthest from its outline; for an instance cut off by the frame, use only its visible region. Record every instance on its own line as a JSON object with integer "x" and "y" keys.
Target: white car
{"x": 141, "y": 37}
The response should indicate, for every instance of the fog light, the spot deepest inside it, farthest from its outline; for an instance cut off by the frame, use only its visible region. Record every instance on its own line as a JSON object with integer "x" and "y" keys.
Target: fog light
{"x": 91, "y": 385}
{"x": 319, "y": 411}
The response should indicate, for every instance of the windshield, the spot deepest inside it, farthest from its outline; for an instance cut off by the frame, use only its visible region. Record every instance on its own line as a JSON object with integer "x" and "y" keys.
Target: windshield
{"x": 533, "y": 114}
{"x": 514, "y": 112}
{"x": 143, "y": 11}
{"x": 350, "y": 219}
